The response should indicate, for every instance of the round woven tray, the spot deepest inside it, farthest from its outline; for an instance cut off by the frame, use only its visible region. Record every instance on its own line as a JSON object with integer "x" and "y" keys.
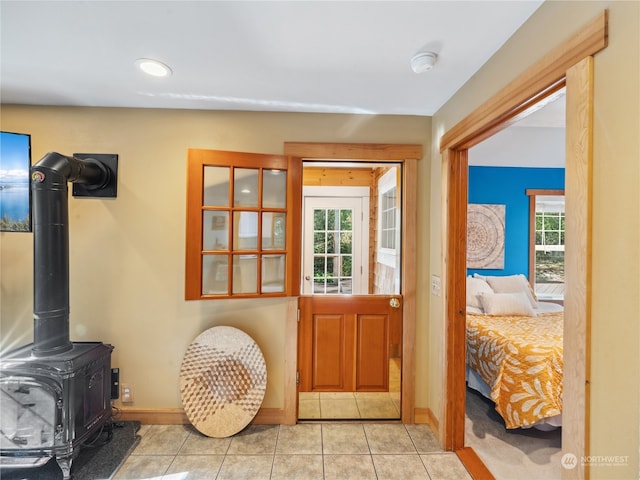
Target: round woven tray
{"x": 223, "y": 379}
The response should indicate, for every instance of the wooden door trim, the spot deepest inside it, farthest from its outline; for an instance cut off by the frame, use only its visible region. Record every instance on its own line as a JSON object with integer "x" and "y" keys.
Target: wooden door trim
{"x": 408, "y": 155}
{"x": 456, "y": 166}
{"x": 571, "y": 60}
{"x": 540, "y": 80}
{"x": 356, "y": 152}
{"x": 577, "y": 298}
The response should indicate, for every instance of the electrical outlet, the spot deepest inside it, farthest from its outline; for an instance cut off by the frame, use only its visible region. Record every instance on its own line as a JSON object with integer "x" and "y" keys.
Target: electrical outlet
{"x": 126, "y": 393}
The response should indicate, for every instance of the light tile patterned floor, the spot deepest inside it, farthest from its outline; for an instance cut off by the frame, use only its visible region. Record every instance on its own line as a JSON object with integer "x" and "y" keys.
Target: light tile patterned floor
{"x": 369, "y": 405}
{"x": 303, "y": 451}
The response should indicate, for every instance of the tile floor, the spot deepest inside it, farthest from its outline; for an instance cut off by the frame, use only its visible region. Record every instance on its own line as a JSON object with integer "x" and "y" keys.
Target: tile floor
{"x": 354, "y": 405}
{"x": 308, "y": 451}
{"x": 369, "y": 405}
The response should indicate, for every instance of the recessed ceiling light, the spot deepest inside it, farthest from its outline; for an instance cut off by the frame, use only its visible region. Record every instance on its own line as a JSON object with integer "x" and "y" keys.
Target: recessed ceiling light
{"x": 153, "y": 67}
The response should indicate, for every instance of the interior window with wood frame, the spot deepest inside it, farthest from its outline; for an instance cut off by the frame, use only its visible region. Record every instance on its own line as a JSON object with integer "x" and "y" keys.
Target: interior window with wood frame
{"x": 240, "y": 240}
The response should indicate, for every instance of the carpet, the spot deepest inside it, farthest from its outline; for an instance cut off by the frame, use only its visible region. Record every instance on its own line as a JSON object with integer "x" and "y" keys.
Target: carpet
{"x": 510, "y": 454}
{"x": 97, "y": 462}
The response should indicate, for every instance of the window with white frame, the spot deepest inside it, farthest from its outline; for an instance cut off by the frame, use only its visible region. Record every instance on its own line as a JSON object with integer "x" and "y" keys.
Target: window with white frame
{"x": 388, "y": 250}
{"x": 549, "y": 246}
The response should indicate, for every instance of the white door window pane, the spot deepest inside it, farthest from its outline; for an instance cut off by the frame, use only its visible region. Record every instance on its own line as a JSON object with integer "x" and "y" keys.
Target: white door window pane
{"x": 346, "y": 242}
{"x": 333, "y": 262}
{"x": 319, "y": 242}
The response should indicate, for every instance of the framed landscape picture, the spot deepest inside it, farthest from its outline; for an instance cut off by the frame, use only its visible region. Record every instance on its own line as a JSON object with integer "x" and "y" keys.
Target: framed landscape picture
{"x": 15, "y": 191}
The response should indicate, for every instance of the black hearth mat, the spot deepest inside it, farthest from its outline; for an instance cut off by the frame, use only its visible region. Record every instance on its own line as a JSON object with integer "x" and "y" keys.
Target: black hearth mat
{"x": 97, "y": 462}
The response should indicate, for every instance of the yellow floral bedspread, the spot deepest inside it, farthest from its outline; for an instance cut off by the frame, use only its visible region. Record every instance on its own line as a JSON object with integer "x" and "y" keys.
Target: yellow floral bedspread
{"x": 520, "y": 358}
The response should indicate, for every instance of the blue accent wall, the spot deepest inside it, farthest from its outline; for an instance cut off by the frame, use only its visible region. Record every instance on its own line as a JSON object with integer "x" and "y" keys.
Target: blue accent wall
{"x": 506, "y": 186}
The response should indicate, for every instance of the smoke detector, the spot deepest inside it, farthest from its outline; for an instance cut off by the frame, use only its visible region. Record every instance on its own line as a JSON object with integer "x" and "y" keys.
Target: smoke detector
{"x": 423, "y": 61}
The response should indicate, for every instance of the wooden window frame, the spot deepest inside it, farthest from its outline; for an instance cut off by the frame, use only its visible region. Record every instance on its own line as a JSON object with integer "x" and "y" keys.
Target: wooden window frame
{"x": 197, "y": 160}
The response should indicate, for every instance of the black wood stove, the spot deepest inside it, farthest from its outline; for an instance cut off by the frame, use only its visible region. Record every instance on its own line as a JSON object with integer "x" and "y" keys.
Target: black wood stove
{"x": 55, "y": 395}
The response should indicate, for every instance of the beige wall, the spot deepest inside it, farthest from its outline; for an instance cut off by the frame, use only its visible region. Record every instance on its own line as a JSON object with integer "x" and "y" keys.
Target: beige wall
{"x": 127, "y": 261}
{"x": 615, "y": 287}
{"x": 127, "y": 254}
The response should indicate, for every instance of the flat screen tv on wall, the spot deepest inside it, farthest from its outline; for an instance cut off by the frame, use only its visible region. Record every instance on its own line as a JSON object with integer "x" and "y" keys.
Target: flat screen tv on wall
{"x": 15, "y": 191}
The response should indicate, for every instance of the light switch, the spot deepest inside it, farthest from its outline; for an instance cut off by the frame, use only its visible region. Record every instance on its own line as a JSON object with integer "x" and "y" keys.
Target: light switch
{"x": 435, "y": 285}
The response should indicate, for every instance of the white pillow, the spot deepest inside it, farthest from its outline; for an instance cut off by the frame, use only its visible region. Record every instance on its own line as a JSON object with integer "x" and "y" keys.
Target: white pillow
{"x": 475, "y": 287}
{"x": 506, "y": 304}
{"x": 549, "y": 307}
{"x": 511, "y": 284}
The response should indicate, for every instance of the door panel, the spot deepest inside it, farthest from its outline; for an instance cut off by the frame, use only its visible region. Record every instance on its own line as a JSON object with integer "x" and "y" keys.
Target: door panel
{"x": 372, "y": 353}
{"x": 329, "y": 357}
{"x": 344, "y": 342}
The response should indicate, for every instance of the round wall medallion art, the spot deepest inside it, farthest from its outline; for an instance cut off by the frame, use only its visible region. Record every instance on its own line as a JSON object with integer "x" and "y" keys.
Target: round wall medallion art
{"x": 223, "y": 379}
{"x": 485, "y": 236}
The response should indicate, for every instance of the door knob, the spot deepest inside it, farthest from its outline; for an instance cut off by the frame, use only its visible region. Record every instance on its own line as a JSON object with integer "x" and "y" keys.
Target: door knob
{"x": 394, "y": 303}
{"x": 307, "y": 277}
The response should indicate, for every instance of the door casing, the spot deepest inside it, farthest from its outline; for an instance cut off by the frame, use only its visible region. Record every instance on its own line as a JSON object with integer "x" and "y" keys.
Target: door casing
{"x": 570, "y": 64}
{"x": 408, "y": 155}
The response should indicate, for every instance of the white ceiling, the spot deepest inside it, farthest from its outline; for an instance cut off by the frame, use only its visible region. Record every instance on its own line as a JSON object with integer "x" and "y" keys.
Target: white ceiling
{"x": 303, "y": 56}
{"x": 297, "y": 56}
{"x": 537, "y": 140}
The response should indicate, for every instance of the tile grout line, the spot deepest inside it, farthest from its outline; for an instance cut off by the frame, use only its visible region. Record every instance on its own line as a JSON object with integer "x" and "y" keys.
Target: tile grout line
{"x": 357, "y": 405}
{"x": 177, "y": 453}
{"x": 418, "y": 452}
{"x": 275, "y": 450}
{"x": 322, "y": 448}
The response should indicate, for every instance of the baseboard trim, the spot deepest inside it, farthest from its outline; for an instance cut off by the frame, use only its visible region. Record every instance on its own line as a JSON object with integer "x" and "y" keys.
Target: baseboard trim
{"x": 176, "y": 416}
{"x": 153, "y": 416}
{"x": 474, "y": 465}
{"x": 425, "y": 415}
{"x": 269, "y": 416}
{"x": 265, "y": 416}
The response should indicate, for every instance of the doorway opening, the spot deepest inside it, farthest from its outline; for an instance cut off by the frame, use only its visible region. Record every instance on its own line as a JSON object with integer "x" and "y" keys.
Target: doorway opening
{"x": 570, "y": 64}
{"x": 350, "y": 357}
{"x": 504, "y": 170}
{"x": 404, "y": 303}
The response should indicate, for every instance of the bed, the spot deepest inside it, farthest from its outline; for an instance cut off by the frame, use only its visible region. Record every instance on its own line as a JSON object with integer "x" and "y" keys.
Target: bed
{"x": 514, "y": 351}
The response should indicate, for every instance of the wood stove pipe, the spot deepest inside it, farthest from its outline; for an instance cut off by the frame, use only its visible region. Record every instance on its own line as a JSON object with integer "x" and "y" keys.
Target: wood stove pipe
{"x": 49, "y": 179}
